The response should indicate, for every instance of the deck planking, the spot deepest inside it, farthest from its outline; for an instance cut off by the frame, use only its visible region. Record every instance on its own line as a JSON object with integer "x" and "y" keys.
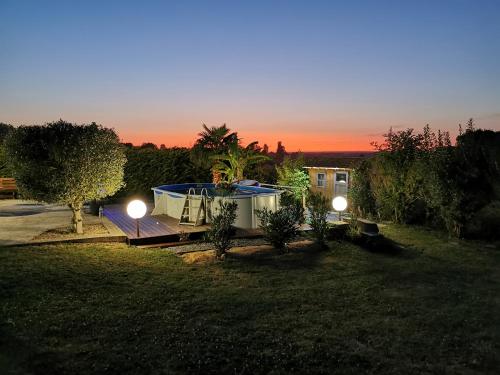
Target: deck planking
{"x": 149, "y": 226}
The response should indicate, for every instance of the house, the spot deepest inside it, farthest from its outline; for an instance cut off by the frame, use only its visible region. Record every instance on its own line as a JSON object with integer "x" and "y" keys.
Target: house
{"x": 330, "y": 181}
{"x": 330, "y": 173}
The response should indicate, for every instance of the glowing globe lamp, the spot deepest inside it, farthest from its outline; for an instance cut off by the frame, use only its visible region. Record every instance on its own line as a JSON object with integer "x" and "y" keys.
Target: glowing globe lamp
{"x": 136, "y": 210}
{"x": 339, "y": 204}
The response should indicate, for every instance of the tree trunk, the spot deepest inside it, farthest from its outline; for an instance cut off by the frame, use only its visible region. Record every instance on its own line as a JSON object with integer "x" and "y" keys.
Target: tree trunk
{"x": 77, "y": 220}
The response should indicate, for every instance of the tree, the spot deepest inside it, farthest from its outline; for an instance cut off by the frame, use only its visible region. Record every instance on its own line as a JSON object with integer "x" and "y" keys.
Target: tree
{"x": 291, "y": 173}
{"x": 280, "y": 153}
{"x": 360, "y": 193}
{"x": 4, "y": 130}
{"x": 422, "y": 178}
{"x": 394, "y": 181}
{"x": 61, "y": 162}
{"x": 231, "y": 165}
{"x": 4, "y": 168}
{"x": 214, "y": 140}
{"x": 470, "y": 125}
{"x": 149, "y": 145}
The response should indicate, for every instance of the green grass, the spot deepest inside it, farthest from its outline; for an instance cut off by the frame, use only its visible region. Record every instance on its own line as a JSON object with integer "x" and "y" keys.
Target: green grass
{"x": 433, "y": 308}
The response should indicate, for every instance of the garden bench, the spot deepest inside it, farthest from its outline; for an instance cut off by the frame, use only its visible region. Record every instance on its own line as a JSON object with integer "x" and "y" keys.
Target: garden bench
{"x": 8, "y": 186}
{"x": 368, "y": 228}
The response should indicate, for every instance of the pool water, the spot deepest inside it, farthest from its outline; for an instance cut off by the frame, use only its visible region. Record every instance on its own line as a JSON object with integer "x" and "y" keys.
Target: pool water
{"x": 213, "y": 191}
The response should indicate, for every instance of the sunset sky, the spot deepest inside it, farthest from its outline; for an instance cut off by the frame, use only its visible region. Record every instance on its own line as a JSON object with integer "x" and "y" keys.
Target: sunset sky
{"x": 317, "y": 75}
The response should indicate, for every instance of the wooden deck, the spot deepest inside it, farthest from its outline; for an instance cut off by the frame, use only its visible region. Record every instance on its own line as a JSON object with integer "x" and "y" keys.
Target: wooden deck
{"x": 152, "y": 229}
{"x": 162, "y": 229}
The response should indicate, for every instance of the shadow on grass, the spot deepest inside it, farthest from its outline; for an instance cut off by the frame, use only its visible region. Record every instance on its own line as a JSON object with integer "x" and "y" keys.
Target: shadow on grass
{"x": 17, "y": 355}
{"x": 384, "y": 246}
{"x": 299, "y": 256}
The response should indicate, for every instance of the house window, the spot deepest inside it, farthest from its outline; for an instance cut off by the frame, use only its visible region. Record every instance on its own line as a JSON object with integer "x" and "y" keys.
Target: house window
{"x": 341, "y": 177}
{"x": 321, "y": 180}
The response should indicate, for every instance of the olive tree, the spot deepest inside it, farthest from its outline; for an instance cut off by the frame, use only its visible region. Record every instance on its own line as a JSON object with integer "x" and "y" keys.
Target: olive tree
{"x": 4, "y": 168}
{"x": 66, "y": 163}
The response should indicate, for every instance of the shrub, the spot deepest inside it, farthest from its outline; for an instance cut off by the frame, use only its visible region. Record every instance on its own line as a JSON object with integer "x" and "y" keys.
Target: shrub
{"x": 318, "y": 209}
{"x": 279, "y": 227}
{"x": 360, "y": 194}
{"x": 485, "y": 223}
{"x": 291, "y": 173}
{"x": 287, "y": 199}
{"x": 221, "y": 229}
{"x": 422, "y": 178}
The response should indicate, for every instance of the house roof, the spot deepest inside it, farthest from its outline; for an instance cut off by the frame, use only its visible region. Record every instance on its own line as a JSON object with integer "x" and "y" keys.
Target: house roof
{"x": 347, "y": 159}
{"x": 341, "y": 162}
{"x": 334, "y": 168}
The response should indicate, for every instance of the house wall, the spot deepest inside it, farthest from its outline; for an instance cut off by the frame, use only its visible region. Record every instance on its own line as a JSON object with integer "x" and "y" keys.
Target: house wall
{"x": 329, "y": 189}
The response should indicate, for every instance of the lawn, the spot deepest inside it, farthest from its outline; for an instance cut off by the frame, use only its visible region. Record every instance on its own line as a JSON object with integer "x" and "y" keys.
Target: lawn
{"x": 433, "y": 308}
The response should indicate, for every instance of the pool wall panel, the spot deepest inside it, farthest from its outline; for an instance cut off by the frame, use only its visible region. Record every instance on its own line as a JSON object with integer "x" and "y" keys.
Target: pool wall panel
{"x": 171, "y": 203}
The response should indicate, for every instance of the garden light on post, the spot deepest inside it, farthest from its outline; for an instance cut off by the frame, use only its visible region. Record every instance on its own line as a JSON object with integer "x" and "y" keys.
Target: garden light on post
{"x": 339, "y": 204}
{"x": 136, "y": 209}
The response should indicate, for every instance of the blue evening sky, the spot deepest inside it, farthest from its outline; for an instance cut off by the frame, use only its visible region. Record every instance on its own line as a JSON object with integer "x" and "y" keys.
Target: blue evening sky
{"x": 300, "y": 71}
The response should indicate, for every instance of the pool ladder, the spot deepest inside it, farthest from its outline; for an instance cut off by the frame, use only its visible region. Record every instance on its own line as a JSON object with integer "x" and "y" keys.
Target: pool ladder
{"x": 194, "y": 202}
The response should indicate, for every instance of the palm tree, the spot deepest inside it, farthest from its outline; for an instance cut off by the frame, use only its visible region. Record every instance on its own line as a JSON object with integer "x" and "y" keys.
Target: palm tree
{"x": 231, "y": 165}
{"x": 216, "y": 138}
{"x": 211, "y": 141}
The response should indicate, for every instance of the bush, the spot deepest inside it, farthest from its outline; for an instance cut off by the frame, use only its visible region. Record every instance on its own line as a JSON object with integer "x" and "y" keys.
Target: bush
{"x": 221, "y": 229}
{"x": 291, "y": 173}
{"x": 486, "y": 223}
{"x": 360, "y": 194}
{"x": 423, "y": 179}
{"x": 279, "y": 227}
{"x": 337, "y": 232}
{"x": 318, "y": 209}
{"x": 287, "y": 199}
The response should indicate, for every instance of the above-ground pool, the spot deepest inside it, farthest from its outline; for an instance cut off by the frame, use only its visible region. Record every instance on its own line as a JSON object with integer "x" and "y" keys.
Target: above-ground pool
{"x": 173, "y": 200}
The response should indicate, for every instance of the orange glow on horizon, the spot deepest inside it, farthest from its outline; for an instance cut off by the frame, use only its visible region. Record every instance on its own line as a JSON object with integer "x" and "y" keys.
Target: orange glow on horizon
{"x": 293, "y": 142}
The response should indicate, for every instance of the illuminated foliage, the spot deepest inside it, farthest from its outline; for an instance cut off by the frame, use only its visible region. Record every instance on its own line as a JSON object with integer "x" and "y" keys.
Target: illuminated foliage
{"x": 66, "y": 163}
{"x": 291, "y": 173}
{"x": 281, "y": 226}
{"x": 231, "y": 166}
{"x": 214, "y": 140}
{"x": 221, "y": 227}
